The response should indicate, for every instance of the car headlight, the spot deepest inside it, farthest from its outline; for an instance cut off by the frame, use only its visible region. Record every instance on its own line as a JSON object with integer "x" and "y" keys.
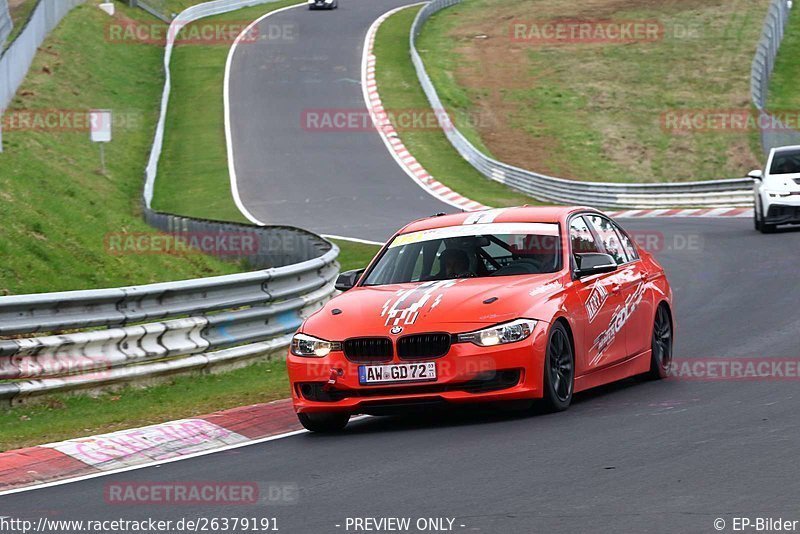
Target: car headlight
{"x": 777, "y": 194}
{"x": 500, "y": 334}
{"x": 312, "y": 347}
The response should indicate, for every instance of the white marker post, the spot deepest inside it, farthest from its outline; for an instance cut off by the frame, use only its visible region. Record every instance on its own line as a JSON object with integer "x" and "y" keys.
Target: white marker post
{"x": 100, "y": 128}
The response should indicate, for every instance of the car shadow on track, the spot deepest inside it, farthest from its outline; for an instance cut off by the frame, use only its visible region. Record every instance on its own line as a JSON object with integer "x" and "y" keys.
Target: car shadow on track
{"x": 484, "y": 414}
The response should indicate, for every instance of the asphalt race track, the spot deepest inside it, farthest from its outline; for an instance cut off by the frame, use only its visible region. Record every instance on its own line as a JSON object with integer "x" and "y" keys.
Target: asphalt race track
{"x": 668, "y": 456}
{"x": 341, "y": 182}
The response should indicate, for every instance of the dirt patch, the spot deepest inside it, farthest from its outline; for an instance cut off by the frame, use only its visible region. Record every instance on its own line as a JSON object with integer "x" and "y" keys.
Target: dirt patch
{"x": 618, "y": 100}
{"x": 495, "y": 70}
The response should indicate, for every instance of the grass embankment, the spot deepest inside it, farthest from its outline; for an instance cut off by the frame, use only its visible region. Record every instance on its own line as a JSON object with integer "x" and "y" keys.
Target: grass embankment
{"x": 56, "y": 207}
{"x": 784, "y": 88}
{"x": 594, "y": 111}
{"x": 193, "y": 175}
{"x": 400, "y": 92}
{"x": 64, "y": 417}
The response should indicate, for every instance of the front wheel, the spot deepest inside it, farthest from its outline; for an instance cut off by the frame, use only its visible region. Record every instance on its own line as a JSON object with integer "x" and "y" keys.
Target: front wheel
{"x": 757, "y": 214}
{"x": 661, "y": 344}
{"x": 324, "y": 422}
{"x": 761, "y": 224}
{"x": 559, "y": 370}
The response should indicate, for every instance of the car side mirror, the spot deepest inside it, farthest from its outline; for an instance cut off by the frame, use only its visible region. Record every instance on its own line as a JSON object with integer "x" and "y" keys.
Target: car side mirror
{"x": 348, "y": 279}
{"x": 589, "y": 263}
{"x": 756, "y": 175}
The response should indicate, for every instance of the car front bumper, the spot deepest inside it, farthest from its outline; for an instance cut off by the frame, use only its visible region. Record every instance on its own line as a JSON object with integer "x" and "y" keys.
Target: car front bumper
{"x": 467, "y": 373}
{"x": 784, "y": 212}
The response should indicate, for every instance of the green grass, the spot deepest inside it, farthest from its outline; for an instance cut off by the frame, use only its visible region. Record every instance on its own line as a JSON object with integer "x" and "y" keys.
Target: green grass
{"x": 64, "y": 417}
{"x": 784, "y": 88}
{"x": 400, "y": 91}
{"x": 56, "y": 206}
{"x": 594, "y": 111}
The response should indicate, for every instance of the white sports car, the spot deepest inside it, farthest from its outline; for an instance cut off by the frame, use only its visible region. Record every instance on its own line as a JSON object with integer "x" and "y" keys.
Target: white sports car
{"x": 777, "y": 189}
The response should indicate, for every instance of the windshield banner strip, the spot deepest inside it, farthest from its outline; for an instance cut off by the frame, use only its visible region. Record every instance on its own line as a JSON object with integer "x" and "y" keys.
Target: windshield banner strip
{"x": 540, "y": 229}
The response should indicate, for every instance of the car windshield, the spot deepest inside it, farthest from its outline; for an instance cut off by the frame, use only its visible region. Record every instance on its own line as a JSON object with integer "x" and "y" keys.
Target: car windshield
{"x": 469, "y": 251}
{"x": 786, "y": 163}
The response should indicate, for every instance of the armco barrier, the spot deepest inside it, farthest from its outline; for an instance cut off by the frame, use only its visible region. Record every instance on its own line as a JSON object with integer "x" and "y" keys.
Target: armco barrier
{"x": 158, "y": 329}
{"x": 715, "y": 193}
{"x": 761, "y": 71}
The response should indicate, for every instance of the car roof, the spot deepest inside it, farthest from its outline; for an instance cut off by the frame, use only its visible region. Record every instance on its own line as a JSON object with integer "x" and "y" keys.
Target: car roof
{"x": 786, "y": 148}
{"x": 530, "y": 214}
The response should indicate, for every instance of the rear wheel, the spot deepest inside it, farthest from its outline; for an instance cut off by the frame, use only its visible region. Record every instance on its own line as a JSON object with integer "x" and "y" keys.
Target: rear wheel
{"x": 559, "y": 370}
{"x": 661, "y": 345}
{"x": 324, "y": 422}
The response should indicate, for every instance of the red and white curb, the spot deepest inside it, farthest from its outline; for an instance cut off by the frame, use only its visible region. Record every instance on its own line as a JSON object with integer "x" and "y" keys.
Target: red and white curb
{"x": 698, "y": 212}
{"x": 393, "y": 143}
{"x": 82, "y": 458}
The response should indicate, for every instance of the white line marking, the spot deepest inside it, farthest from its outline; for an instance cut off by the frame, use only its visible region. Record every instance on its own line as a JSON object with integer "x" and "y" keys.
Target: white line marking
{"x": 163, "y": 462}
{"x": 353, "y": 239}
{"x": 227, "y": 98}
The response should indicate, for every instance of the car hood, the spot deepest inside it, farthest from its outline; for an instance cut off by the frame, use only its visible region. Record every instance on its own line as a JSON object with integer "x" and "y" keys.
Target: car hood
{"x": 788, "y": 182}
{"x": 441, "y": 306}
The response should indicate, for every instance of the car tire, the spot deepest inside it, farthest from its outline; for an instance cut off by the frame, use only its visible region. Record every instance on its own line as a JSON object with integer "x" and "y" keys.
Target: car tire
{"x": 757, "y": 214}
{"x": 762, "y": 226}
{"x": 559, "y": 370}
{"x": 661, "y": 344}
{"x": 324, "y": 422}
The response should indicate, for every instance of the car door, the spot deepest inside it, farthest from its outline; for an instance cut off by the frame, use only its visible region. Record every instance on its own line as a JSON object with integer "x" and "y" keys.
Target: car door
{"x": 604, "y": 345}
{"x": 632, "y": 315}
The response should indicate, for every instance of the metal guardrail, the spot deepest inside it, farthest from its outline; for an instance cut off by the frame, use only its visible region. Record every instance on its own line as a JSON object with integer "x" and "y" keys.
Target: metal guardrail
{"x": 776, "y": 134}
{"x": 157, "y": 329}
{"x": 714, "y": 193}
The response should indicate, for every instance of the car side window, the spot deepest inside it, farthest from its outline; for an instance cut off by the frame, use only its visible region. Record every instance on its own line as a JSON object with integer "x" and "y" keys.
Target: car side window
{"x": 581, "y": 237}
{"x": 630, "y": 250}
{"x": 610, "y": 238}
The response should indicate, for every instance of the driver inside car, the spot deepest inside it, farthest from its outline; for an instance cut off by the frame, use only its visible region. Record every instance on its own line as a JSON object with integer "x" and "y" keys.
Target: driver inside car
{"x": 454, "y": 263}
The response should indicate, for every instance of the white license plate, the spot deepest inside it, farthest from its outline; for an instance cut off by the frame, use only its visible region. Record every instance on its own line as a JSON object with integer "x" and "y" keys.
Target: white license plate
{"x": 402, "y": 372}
